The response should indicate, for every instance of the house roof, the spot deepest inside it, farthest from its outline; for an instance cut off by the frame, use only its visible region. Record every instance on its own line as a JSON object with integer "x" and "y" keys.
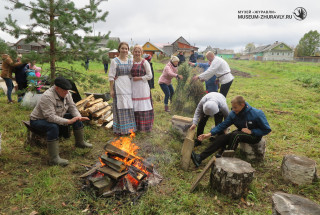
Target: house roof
{"x": 225, "y": 51}
{"x": 33, "y": 43}
{"x": 177, "y": 40}
{"x": 153, "y": 44}
{"x": 268, "y": 47}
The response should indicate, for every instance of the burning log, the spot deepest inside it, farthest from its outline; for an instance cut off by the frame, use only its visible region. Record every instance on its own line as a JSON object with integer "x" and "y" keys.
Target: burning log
{"x": 112, "y": 173}
{"x": 113, "y": 163}
{"x": 91, "y": 171}
{"x": 136, "y": 173}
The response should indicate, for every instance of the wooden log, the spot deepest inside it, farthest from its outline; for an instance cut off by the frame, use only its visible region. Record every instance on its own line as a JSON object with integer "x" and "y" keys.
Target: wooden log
{"x": 109, "y": 118}
{"x": 89, "y": 98}
{"x": 97, "y": 107}
{"x": 91, "y": 171}
{"x": 254, "y": 152}
{"x": 112, "y": 173}
{"x": 182, "y": 124}
{"x": 112, "y": 150}
{"x": 204, "y": 171}
{"x": 117, "y": 165}
{"x": 186, "y": 149}
{"x": 106, "y": 115}
{"x": 91, "y": 103}
{"x": 231, "y": 176}
{"x": 109, "y": 125}
{"x": 82, "y": 106}
{"x": 102, "y": 184}
{"x": 286, "y": 204}
{"x": 101, "y": 112}
{"x": 299, "y": 170}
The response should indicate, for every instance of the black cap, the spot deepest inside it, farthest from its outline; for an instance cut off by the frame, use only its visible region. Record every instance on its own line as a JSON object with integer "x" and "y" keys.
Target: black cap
{"x": 63, "y": 83}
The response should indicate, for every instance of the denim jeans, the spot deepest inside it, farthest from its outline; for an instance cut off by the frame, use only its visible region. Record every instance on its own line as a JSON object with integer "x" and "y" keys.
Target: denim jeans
{"x": 168, "y": 92}
{"x": 53, "y": 129}
{"x": 10, "y": 88}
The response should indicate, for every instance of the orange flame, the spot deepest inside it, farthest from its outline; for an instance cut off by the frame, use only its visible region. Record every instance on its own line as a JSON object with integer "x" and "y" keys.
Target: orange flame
{"x": 102, "y": 164}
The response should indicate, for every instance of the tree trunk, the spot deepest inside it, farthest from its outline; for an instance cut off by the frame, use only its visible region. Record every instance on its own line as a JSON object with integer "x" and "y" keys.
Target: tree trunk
{"x": 231, "y": 176}
{"x": 286, "y": 204}
{"x": 52, "y": 43}
{"x": 298, "y": 170}
{"x": 254, "y": 152}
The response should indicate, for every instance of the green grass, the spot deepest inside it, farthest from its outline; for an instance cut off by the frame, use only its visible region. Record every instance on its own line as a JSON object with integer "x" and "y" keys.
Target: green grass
{"x": 286, "y": 92}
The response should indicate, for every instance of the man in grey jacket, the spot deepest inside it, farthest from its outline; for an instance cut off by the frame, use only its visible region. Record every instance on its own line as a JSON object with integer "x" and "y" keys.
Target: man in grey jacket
{"x": 212, "y": 104}
{"x": 51, "y": 112}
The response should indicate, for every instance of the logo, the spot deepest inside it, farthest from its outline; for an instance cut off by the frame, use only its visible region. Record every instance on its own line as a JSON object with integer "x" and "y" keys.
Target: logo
{"x": 300, "y": 13}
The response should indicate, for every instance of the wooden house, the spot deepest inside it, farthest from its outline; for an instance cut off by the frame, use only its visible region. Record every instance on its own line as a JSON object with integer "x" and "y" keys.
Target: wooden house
{"x": 277, "y": 51}
{"x": 150, "y": 48}
{"x": 23, "y": 47}
{"x": 180, "y": 44}
{"x": 225, "y": 53}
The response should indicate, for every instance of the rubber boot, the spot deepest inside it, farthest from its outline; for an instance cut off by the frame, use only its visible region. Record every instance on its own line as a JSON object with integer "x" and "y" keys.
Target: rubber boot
{"x": 78, "y": 135}
{"x": 53, "y": 151}
{"x": 166, "y": 108}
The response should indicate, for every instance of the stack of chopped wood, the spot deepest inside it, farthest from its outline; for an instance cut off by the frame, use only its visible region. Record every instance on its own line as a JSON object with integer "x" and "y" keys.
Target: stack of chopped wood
{"x": 98, "y": 111}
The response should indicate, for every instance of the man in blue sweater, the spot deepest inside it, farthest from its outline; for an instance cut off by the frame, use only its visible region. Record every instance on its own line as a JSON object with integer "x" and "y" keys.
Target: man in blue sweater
{"x": 251, "y": 125}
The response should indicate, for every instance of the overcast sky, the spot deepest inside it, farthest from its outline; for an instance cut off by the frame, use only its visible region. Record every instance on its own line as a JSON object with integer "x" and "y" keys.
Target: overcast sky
{"x": 200, "y": 22}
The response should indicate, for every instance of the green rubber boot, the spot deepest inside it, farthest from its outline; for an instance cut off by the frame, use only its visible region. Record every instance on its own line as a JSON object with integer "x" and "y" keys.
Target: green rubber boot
{"x": 53, "y": 151}
{"x": 78, "y": 135}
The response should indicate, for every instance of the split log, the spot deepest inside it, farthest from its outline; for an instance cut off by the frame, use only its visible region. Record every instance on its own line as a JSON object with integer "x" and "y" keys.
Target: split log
{"x": 187, "y": 148}
{"x": 254, "y": 152}
{"x": 204, "y": 171}
{"x": 112, "y": 173}
{"x": 109, "y": 125}
{"x": 286, "y": 204}
{"x": 182, "y": 124}
{"x": 89, "y": 98}
{"x": 104, "y": 96}
{"x": 298, "y": 170}
{"x": 91, "y": 103}
{"x": 91, "y": 171}
{"x": 97, "y": 107}
{"x": 109, "y": 118}
{"x": 101, "y": 112}
{"x": 102, "y": 184}
{"x": 231, "y": 176}
{"x": 113, "y": 163}
{"x": 82, "y": 106}
{"x": 106, "y": 115}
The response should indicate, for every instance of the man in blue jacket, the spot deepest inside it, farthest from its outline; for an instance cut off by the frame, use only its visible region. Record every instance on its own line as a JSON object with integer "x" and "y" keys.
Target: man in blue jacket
{"x": 251, "y": 125}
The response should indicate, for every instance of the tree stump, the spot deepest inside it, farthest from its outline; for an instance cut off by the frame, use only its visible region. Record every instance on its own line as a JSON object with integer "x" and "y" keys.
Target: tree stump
{"x": 181, "y": 123}
{"x": 254, "y": 152}
{"x": 288, "y": 204}
{"x": 298, "y": 170}
{"x": 231, "y": 176}
{"x": 34, "y": 137}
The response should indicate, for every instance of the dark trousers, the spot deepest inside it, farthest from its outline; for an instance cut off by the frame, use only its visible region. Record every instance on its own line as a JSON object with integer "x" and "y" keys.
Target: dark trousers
{"x": 54, "y": 130}
{"x": 203, "y": 121}
{"x": 105, "y": 68}
{"x": 21, "y": 87}
{"x": 225, "y": 88}
{"x": 168, "y": 92}
{"x": 231, "y": 140}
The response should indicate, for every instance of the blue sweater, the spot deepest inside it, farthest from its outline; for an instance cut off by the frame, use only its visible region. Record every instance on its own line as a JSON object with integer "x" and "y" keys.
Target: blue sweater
{"x": 210, "y": 84}
{"x": 251, "y": 118}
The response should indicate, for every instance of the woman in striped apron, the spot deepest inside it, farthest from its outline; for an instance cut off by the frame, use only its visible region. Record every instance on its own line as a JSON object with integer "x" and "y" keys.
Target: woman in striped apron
{"x": 141, "y": 95}
{"x": 121, "y": 92}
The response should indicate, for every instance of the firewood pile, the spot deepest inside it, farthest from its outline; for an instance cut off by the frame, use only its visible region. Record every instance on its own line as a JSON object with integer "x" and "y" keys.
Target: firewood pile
{"x": 120, "y": 170}
{"x": 97, "y": 110}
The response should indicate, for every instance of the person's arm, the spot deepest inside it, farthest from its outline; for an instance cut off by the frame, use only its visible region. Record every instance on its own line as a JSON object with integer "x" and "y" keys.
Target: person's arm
{"x": 148, "y": 75}
{"x": 211, "y": 71}
{"x": 263, "y": 125}
{"x": 170, "y": 72}
{"x": 112, "y": 75}
{"x": 224, "y": 125}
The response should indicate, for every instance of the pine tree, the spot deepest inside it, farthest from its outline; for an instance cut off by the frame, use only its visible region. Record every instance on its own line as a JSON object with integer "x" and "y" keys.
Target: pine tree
{"x": 58, "y": 21}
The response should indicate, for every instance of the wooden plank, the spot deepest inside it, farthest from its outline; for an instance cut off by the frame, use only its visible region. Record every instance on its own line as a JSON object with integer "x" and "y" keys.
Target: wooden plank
{"x": 118, "y": 152}
{"x": 91, "y": 171}
{"x": 228, "y": 153}
{"x": 181, "y": 118}
{"x": 113, "y": 163}
{"x": 190, "y": 134}
{"x": 112, "y": 173}
{"x": 204, "y": 171}
{"x": 186, "y": 150}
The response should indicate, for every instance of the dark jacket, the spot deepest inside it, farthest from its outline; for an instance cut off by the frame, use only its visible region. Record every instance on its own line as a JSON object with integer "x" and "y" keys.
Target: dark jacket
{"x": 182, "y": 59}
{"x": 193, "y": 58}
{"x": 251, "y": 118}
{"x": 20, "y": 73}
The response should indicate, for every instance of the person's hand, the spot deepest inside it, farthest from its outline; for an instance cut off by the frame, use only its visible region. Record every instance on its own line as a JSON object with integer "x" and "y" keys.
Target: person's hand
{"x": 192, "y": 64}
{"x": 246, "y": 130}
{"x": 84, "y": 119}
{"x": 112, "y": 93}
{"x": 195, "y": 77}
{"x": 204, "y": 136}
{"x": 193, "y": 126}
{"x": 73, "y": 120}
{"x": 136, "y": 78}
{"x": 180, "y": 77}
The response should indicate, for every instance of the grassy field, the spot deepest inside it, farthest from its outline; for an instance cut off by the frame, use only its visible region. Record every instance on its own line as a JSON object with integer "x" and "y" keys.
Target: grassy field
{"x": 288, "y": 93}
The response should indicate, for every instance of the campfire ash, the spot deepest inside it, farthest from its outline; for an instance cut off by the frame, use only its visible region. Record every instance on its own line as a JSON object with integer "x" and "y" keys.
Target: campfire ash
{"x": 120, "y": 170}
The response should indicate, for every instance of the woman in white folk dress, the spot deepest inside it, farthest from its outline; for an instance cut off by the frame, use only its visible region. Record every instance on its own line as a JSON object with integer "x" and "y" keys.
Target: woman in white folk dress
{"x": 121, "y": 92}
{"x": 141, "y": 94}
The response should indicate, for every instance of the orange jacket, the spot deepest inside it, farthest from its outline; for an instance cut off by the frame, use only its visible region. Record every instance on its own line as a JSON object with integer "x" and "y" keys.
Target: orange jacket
{"x": 7, "y": 66}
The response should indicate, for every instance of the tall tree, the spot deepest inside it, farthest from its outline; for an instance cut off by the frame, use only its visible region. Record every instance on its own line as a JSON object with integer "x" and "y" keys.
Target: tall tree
{"x": 308, "y": 44}
{"x": 57, "y": 21}
{"x": 249, "y": 47}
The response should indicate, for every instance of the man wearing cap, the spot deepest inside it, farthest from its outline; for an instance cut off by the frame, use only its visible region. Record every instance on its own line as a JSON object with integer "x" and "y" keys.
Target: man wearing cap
{"x": 251, "y": 125}
{"x": 212, "y": 104}
{"x": 51, "y": 112}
